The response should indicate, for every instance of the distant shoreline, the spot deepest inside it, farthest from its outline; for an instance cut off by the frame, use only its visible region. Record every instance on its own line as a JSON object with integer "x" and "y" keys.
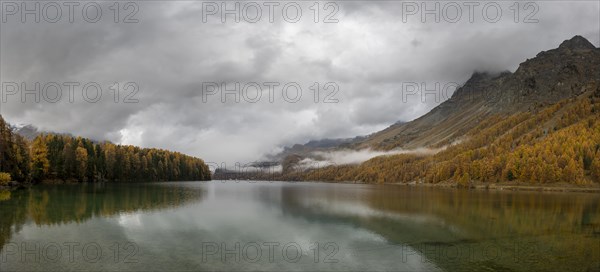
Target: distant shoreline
{"x": 512, "y": 186}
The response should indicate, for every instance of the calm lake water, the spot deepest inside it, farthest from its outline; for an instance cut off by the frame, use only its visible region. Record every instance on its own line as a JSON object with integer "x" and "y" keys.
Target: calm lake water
{"x": 242, "y": 226}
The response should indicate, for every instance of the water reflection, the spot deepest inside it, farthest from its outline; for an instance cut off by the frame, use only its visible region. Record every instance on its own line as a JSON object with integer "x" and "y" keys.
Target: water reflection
{"x": 374, "y": 227}
{"x": 63, "y": 204}
{"x": 462, "y": 230}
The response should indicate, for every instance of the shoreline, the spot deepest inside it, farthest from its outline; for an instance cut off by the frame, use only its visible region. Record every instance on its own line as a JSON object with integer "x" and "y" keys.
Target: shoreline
{"x": 512, "y": 186}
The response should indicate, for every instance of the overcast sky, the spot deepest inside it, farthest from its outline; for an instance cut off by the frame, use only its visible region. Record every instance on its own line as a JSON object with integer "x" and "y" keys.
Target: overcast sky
{"x": 176, "y": 50}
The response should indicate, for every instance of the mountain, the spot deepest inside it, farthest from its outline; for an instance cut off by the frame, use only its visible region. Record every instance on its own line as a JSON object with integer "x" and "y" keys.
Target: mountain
{"x": 551, "y": 76}
{"x": 30, "y": 131}
{"x": 27, "y": 131}
{"x": 309, "y": 148}
{"x": 537, "y": 124}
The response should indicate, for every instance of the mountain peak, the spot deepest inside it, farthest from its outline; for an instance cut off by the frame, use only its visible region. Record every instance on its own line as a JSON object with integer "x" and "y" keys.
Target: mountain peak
{"x": 477, "y": 77}
{"x": 478, "y": 82}
{"x": 577, "y": 42}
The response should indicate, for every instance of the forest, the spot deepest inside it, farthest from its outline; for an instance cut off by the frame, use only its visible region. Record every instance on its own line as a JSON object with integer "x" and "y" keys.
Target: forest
{"x": 64, "y": 158}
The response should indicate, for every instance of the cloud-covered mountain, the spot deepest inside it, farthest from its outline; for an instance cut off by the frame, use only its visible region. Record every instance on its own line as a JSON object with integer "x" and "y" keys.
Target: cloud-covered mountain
{"x": 567, "y": 72}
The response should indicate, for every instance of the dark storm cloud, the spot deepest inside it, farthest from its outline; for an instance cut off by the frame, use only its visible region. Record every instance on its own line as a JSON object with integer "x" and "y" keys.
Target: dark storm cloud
{"x": 370, "y": 53}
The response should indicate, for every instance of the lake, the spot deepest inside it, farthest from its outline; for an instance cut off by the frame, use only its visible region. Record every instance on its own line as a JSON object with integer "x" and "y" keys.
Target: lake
{"x": 276, "y": 226}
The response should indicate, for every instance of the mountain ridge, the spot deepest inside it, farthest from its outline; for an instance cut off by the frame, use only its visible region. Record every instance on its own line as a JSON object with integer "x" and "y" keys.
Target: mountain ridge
{"x": 551, "y": 76}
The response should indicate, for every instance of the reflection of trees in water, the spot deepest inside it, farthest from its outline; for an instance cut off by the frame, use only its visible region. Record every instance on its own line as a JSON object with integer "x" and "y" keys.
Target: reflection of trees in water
{"x": 531, "y": 230}
{"x": 12, "y": 214}
{"x": 61, "y": 204}
{"x": 4, "y": 195}
{"x": 497, "y": 213}
{"x": 553, "y": 231}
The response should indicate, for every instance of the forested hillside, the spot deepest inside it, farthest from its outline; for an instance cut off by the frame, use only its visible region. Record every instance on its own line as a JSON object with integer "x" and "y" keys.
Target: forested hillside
{"x": 52, "y": 157}
{"x": 560, "y": 143}
{"x": 540, "y": 124}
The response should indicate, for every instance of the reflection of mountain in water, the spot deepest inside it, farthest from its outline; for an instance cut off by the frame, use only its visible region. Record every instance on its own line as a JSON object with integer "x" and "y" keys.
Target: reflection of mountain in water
{"x": 508, "y": 231}
{"x": 62, "y": 204}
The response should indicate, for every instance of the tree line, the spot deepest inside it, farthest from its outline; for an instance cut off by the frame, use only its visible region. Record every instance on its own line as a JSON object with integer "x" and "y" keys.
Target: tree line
{"x": 52, "y": 157}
